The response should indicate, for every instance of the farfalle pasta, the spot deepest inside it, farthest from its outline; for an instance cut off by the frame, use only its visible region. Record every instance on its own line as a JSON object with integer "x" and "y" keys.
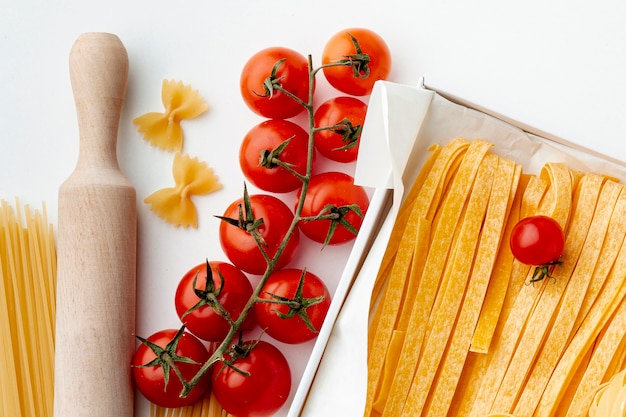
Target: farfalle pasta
{"x": 174, "y": 204}
{"x": 163, "y": 130}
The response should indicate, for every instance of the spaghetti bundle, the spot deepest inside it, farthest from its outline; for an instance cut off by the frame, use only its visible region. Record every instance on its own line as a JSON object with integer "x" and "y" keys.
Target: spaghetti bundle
{"x": 207, "y": 407}
{"x": 27, "y": 311}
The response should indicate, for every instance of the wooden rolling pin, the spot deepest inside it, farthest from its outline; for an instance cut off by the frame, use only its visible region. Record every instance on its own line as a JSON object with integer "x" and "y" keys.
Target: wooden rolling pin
{"x": 96, "y": 245}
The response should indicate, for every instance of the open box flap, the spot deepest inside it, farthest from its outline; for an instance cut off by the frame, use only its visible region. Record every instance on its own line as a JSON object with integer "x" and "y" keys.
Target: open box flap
{"x": 387, "y": 140}
{"x": 385, "y": 152}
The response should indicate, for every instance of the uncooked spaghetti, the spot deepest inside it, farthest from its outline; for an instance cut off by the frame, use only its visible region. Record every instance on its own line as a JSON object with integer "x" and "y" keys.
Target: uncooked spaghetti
{"x": 27, "y": 311}
{"x": 207, "y": 407}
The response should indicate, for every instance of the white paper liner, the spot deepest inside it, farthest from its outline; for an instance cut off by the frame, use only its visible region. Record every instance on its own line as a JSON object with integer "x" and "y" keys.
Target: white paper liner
{"x": 401, "y": 124}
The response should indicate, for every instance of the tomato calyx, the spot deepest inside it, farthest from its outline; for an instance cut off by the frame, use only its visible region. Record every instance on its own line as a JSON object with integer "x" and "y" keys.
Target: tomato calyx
{"x": 238, "y": 351}
{"x": 166, "y": 358}
{"x": 337, "y": 216}
{"x": 349, "y": 132}
{"x": 298, "y": 304}
{"x": 273, "y": 84}
{"x": 543, "y": 271}
{"x": 271, "y": 159}
{"x": 359, "y": 61}
{"x": 247, "y": 222}
{"x": 209, "y": 294}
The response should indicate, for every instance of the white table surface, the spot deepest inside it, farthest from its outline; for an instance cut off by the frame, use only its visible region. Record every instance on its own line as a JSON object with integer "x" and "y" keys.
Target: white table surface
{"x": 556, "y": 65}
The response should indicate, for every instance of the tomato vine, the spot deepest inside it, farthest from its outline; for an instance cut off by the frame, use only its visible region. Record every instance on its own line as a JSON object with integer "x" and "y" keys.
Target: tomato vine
{"x": 225, "y": 346}
{"x": 232, "y": 347}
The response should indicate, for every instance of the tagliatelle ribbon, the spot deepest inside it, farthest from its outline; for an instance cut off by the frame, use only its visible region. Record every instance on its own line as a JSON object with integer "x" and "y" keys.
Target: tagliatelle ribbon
{"x": 456, "y": 279}
{"x": 571, "y": 300}
{"x": 611, "y": 267}
{"x": 408, "y": 246}
{"x": 499, "y": 283}
{"x": 551, "y": 294}
{"x": 556, "y": 202}
{"x": 450, "y": 210}
{"x": 424, "y": 194}
{"x": 483, "y": 271}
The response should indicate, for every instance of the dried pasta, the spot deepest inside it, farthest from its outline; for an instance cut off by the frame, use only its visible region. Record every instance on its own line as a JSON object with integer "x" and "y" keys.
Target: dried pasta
{"x": 164, "y": 130}
{"x": 472, "y": 348}
{"x": 191, "y": 177}
{"x": 27, "y": 311}
{"x": 207, "y": 407}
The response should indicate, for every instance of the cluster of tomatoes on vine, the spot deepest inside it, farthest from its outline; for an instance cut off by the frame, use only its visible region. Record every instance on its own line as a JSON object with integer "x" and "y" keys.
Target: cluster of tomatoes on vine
{"x": 260, "y": 234}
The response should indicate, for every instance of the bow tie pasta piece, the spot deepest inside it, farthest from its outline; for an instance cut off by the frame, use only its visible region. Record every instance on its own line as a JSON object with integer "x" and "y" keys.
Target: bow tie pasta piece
{"x": 163, "y": 130}
{"x": 174, "y": 204}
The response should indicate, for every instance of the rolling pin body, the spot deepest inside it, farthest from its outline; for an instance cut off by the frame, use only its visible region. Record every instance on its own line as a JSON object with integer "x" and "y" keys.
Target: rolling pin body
{"x": 97, "y": 241}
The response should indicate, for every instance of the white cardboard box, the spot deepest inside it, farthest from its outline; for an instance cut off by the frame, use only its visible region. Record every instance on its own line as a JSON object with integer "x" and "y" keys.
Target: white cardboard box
{"x": 402, "y": 122}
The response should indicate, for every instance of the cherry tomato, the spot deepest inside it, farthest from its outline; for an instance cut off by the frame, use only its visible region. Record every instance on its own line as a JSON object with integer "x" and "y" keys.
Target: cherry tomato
{"x": 263, "y": 391}
{"x": 301, "y": 319}
{"x": 150, "y": 380}
{"x": 292, "y": 74}
{"x": 341, "y": 46}
{"x": 262, "y": 144}
{"x": 340, "y": 144}
{"x": 240, "y": 246}
{"x": 192, "y": 300}
{"x": 349, "y": 203}
{"x": 537, "y": 240}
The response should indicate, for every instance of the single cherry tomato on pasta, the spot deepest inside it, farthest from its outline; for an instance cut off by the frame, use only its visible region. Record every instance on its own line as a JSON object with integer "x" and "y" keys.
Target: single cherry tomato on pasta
{"x": 157, "y": 381}
{"x": 294, "y": 306}
{"x": 270, "y": 151}
{"x": 537, "y": 240}
{"x": 269, "y": 218}
{"x": 345, "y": 115}
{"x": 333, "y": 208}
{"x": 369, "y": 55}
{"x": 267, "y": 69}
{"x": 194, "y": 295}
{"x": 259, "y": 384}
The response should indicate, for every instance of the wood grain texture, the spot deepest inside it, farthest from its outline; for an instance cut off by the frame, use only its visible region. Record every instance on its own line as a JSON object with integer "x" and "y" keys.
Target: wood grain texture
{"x": 97, "y": 240}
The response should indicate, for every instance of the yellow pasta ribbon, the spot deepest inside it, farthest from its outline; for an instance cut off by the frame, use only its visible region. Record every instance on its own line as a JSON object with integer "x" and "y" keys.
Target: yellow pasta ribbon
{"x": 163, "y": 130}
{"x": 174, "y": 204}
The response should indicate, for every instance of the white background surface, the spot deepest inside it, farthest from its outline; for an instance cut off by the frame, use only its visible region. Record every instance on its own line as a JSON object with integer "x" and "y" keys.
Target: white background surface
{"x": 556, "y": 65}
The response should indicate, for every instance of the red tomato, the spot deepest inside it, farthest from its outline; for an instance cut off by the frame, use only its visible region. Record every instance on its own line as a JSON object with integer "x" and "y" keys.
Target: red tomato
{"x": 308, "y": 300}
{"x": 338, "y": 190}
{"x": 192, "y": 300}
{"x": 240, "y": 246}
{"x": 537, "y": 240}
{"x": 258, "y": 148}
{"x": 150, "y": 380}
{"x": 263, "y": 391}
{"x": 292, "y": 74}
{"x": 340, "y": 144}
{"x": 342, "y": 47}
